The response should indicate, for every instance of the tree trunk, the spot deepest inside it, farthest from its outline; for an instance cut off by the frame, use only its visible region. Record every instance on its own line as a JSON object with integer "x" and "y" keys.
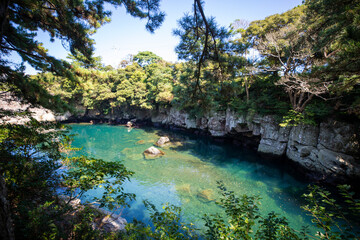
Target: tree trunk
{"x": 6, "y": 227}
{"x": 247, "y": 90}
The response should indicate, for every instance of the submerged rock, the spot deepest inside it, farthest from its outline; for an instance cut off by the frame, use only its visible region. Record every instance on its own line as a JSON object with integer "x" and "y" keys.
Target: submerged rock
{"x": 140, "y": 142}
{"x": 162, "y": 141}
{"x": 206, "y": 195}
{"x": 183, "y": 189}
{"x": 126, "y": 150}
{"x": 177, "y": 144}
{"x": 153, "y": 152}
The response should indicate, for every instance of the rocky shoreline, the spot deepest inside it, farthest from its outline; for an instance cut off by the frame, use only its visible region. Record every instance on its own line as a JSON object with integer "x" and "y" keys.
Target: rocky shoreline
{"x": 328, "y": 152}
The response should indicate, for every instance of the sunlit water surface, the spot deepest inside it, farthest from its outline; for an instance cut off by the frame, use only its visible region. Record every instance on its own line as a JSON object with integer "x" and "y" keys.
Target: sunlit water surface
{"x": 187, "y": 174}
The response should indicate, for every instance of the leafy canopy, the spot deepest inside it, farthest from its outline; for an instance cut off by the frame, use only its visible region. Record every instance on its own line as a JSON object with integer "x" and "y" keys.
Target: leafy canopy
{"x": 72, "y": 22}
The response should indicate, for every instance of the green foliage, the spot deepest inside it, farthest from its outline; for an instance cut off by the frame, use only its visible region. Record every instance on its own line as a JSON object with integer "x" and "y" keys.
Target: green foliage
{"x": 42, "y": 221}
{"x": 166, "y": 225}
{"x": 207, "y": 48}
{"x": 22, "y": 19}
{"x": 242, "y": 215}
{"x": 319, "y": 110}
{"x": 82, "y": 228}
{"x": 84, "y": 174}
{"x": 243, "y": 220}
{"x": 258, "y": 29}
{"x": 265, "y": 98}
{"x": 275, "y": 227}
{"x": 187, "y": 97}
{"x": 146, "y": 58}
{"x": 132, "y": 90}
{"x": 30, "y": 157}
{"x": 332, "y": 218}
{"x": 282, "y": 39}
{"x": 294, "y": 118}
{"x": 334, "y": 26}
{"x": 220, "y": 72}
{"x": 73, "y": 22}
{"x": 108, "y": 91}
{"x": 159, "y": 83}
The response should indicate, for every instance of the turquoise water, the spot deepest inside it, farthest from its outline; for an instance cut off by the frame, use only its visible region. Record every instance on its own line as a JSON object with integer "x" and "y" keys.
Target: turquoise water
{"x": 187, "y": 174}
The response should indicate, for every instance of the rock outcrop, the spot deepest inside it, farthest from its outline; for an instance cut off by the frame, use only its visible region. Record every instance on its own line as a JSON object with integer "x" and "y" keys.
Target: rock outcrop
{"x": 162, "y": 141}
{"x": 330, "y": 149}
{"x": 153, "y": 152}
{"x": 108, "y": 221}
{"x": 274, "y": 138}
{"x": 14, "y": 106}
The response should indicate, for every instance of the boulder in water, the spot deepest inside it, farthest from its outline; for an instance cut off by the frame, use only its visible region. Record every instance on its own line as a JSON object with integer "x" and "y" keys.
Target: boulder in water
{"x": 153, "y": 152}
{"x": 162, "y": 141}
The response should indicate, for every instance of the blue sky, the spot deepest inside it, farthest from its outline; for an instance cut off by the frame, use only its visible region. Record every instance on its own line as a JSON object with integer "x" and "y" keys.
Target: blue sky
{"x": 127, "y": 35}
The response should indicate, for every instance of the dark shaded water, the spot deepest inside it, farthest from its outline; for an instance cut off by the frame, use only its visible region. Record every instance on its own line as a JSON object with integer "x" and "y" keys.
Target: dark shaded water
{"x": 187, "y": 174}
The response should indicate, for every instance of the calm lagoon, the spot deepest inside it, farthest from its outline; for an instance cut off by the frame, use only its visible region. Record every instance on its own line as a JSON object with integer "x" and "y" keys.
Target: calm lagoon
{"x": 187, "y": 174}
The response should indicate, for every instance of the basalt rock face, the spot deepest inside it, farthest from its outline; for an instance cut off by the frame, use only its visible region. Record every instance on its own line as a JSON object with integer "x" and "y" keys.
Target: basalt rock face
{"x": 217, "y": 124}
{"x": 274, "y": 138}
{"x": 174, "y": 117}
{"x": 328, "y": 151}
{"x": 331, "y": 149}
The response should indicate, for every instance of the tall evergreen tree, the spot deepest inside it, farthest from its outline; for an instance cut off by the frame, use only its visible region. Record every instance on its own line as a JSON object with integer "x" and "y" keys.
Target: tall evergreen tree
{"x": 71, "y": 21}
